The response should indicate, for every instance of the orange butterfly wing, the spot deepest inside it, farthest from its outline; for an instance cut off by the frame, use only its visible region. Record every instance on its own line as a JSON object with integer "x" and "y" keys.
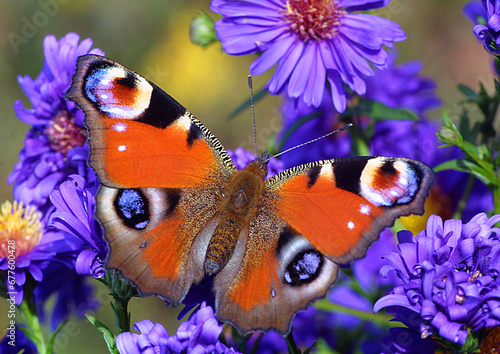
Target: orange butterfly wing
{"x": 259, "y": 288}
{"x": 342, "y": 205}
{"x": 139, "y": 135}
{"x": 162, "y": 175}
{"x": 312, "y": 218}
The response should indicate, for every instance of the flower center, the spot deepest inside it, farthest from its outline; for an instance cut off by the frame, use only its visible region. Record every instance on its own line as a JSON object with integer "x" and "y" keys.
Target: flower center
{"x": 314, "y": 19}
{"x": 64, "y": 134}
{"x": 20, "y": 229}
{"x": 437, "y": 203}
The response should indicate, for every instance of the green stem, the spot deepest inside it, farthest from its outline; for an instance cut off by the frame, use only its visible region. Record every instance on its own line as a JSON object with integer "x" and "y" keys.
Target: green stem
{"x": 496, "y": 200}
{"x": 122, "y": 314}
{"x": 465, "y": 197}
{"x": 121, "y": 291}
{"x": 381, "y": 319}
{"x": 290, "y": 342}
{"x": 28, "y": 308}
{"x": 359, "y": 145}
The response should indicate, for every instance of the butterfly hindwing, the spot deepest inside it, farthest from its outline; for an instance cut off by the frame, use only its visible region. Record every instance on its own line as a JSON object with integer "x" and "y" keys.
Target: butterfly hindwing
{"x": 274, "y": 273}
{"x": 158, "y": 237}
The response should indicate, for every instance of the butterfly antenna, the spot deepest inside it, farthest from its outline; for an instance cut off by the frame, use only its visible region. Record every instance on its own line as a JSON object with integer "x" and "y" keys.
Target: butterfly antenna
{"x": 347, "y": 126}
{"x": 250, "y": 85}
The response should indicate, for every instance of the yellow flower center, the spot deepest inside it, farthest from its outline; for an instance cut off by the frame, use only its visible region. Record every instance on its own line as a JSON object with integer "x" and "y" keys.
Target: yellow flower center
{"x": 20, "y": 229}
{"x": 313, "y": 19}
{"x": 438, "y": 203}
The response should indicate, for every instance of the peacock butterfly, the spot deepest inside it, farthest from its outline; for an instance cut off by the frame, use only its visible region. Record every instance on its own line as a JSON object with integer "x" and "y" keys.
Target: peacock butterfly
{"x": 175, "y": 209}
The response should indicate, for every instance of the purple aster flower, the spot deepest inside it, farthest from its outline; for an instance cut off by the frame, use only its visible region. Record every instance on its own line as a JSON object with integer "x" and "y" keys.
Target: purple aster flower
{"x": 241, "y": 158}
{"x": 475, "y": 12}
{"x": 74, "y": 214}
{"x": 449, "y": 277}
{"x": 21, "y": 342}
{"x": 397, "y": 86}
{"x": 200, "y": 334}
{"x": 198, "y": 294}
{"x": 407, "y": 339}
{"x": 54, "y": 146}
{"x": 32, "y": 246}
{"x": 487, "y": 19}
{"x": 317, "y": 122}
{"x": 402, "y": 86}
{"x": 314, "y": 43}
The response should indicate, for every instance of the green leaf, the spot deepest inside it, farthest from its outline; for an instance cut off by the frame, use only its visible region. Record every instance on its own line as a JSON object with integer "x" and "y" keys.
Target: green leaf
{"x": 290, "y": 342}
{"x": 311, "y": 347}
{"x": 456, "y": 165}
{"x": 464, "y": 165}
{"x": 241, "y": 340}
{"x": 468, "y": 92}
{"x": 109, "y": 337}
{"x": 32, "y": 337}
{"x": 378, "y": 111}
{"x": 50, "y": 345}
{"x": 247, "y": 104}
{"x": 488, "y": 177}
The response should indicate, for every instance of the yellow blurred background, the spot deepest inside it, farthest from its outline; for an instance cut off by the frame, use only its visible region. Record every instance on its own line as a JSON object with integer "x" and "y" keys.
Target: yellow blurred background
{"x": 152, "y": 38}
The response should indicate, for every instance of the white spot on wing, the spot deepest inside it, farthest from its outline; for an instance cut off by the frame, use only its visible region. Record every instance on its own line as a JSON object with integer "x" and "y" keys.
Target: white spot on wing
{"x": 373, "y": 195}
{"x": 350, "y": 225}
{"x": 125, "y": 112}
{"x": 327, "y": 171}
{"x": 104, "y": 97}
{"x": 184, "y": 122}
{"x": 364, "y": 209}
{"x": 119, "y": 127}
{"x": 122, "y": 148}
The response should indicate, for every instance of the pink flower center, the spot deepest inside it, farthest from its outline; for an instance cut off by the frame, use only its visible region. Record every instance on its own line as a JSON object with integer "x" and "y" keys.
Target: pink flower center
{"x": 314, "y": 19}
{"x": 64, "y": 134}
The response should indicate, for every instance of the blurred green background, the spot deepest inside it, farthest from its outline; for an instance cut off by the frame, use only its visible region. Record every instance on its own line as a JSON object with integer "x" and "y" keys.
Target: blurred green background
{"x": 152, "y": 38}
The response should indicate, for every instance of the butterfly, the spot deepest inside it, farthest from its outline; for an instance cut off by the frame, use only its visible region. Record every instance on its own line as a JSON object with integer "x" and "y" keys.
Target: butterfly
{"x": 175, "y": 209}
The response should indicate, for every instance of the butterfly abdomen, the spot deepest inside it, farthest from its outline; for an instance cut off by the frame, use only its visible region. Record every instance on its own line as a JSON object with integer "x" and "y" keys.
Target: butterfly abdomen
{"x": 239, "y": 205}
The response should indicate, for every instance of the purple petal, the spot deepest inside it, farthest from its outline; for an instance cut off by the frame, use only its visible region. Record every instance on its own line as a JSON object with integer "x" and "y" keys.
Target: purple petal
{"x": 299, "y": 76}
{"x": 285, "y": 67}
{"x": 272, "y": 55}
{"x": 126, "y": 343}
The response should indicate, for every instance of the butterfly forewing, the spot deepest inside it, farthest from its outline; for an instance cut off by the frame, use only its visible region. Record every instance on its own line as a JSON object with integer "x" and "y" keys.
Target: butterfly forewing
{"x": 139, "y": 135}
{"x": 342, "y": 205}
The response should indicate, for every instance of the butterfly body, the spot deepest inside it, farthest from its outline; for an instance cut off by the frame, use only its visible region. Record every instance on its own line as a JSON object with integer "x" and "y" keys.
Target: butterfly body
{"x": 239, "y": 204}
{"x": 175, "y": 209}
